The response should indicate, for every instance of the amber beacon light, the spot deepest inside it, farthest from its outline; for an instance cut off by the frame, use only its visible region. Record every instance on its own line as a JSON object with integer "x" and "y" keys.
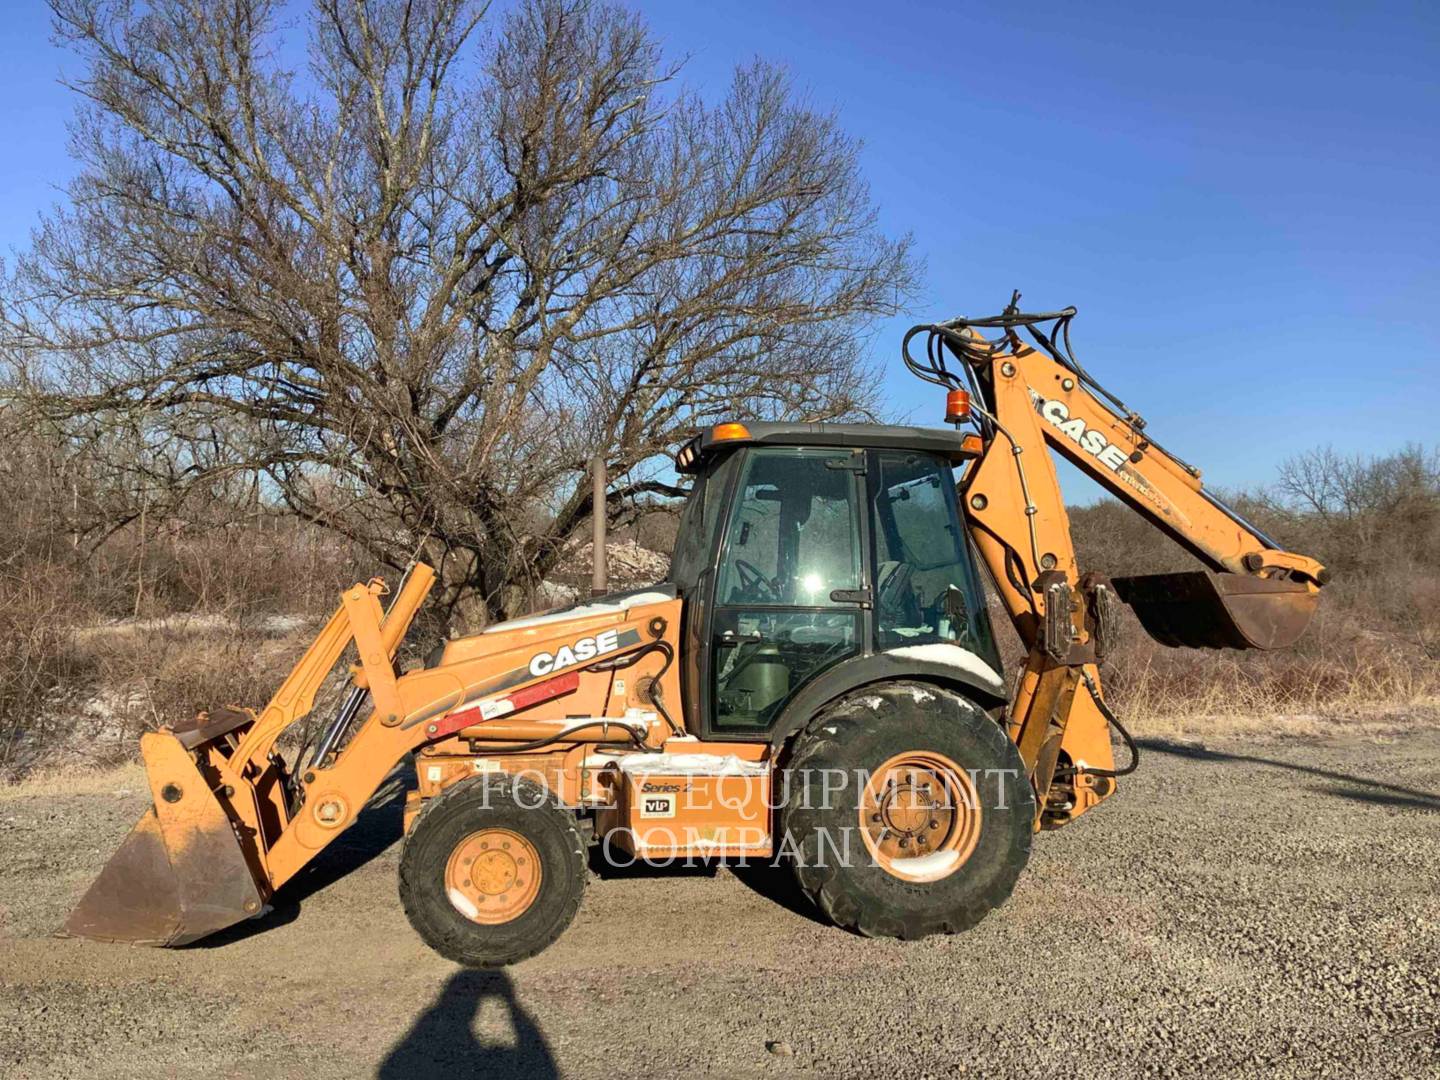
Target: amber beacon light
{"x": 957, "y": 406}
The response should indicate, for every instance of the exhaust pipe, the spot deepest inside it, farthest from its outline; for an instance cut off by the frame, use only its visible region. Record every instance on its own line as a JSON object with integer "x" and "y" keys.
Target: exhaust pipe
{"x": 599, "y": 576}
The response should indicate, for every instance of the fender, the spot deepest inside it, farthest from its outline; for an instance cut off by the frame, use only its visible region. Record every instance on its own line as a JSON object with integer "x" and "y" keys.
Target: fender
{"x": 878, "y": 667}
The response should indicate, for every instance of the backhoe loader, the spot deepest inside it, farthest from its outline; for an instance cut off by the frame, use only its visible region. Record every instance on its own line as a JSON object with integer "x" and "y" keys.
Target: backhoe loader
{"x": 817, "y": 681}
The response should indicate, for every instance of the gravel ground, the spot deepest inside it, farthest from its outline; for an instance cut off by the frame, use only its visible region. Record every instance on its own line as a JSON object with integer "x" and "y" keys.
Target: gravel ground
{"x": 1239, "y": 909}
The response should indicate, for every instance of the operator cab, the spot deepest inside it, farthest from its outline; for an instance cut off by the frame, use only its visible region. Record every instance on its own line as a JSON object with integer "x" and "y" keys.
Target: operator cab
{"x": 805, "y": 546}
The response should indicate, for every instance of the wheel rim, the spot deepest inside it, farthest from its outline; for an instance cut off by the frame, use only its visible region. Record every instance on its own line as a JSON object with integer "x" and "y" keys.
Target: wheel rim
{"x": 493, "y": 876}
{"x": 920, "y": 816}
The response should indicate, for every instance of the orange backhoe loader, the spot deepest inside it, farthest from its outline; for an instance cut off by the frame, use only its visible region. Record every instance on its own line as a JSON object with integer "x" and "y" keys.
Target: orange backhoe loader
{"x": 817, "y": 680}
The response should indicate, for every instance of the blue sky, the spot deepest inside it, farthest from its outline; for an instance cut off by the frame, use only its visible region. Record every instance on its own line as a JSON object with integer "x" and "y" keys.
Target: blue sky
{"x": 1240, "y": 198}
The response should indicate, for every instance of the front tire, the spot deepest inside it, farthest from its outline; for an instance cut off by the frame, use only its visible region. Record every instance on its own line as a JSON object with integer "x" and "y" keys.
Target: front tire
{"x": 492, "y": 871}
{"x": 932, "y": 824}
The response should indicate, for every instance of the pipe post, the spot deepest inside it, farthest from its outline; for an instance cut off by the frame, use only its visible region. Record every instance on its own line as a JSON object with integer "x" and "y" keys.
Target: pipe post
{"x": 599, "y": 581}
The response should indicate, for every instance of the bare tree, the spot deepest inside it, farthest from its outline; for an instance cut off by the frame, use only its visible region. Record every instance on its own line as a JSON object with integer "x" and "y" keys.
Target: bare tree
{"x": 415, "y": 285}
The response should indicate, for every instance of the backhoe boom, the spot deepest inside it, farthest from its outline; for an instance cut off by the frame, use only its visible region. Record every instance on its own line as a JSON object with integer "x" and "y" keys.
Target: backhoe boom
{"x": 1021, "y": 399}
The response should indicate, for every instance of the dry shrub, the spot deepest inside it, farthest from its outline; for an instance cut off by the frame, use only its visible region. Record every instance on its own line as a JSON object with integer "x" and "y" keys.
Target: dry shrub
{"x": 36, "y": 615}
{"x": 1335, "y": 673}
{"x": 121, "y": 679}
{"x": 239, "y": 565}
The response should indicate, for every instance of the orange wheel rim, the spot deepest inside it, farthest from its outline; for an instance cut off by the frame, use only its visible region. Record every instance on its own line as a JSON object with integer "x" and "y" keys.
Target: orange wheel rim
{"x": 920, "y": 816}
{"x": 493, "y": 876}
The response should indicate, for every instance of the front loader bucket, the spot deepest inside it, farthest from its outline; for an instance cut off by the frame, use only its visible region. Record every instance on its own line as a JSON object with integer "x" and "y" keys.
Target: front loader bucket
{"x": 181, "y": 874}
{"x": 1203, "y": 610}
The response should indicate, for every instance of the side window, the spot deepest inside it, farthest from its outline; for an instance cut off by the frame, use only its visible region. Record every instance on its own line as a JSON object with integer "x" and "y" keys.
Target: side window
{"x": 764, "y": 656}
{"x": 698, "y": 523}
{"x": 793, "y": 536}
{"x": 926, "y": 587}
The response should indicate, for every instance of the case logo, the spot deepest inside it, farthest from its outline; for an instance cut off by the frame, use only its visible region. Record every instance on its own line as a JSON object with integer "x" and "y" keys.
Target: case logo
{"x": 1088, "y": 439}
{"x": 587, "y": 648}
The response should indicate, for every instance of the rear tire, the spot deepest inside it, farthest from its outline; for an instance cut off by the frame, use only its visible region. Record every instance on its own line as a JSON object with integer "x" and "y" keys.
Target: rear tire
{"x": 534, "y": 872}
{"x": 850, "y": 862}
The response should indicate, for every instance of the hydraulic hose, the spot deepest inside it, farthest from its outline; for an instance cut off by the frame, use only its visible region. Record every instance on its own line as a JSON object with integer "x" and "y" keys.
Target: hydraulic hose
{"x": 1113, "y": 721}
{"x": 632, "y": 658}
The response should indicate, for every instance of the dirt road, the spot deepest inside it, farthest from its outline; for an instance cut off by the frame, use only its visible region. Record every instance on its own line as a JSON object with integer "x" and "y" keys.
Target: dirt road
{"x": 1239, "y": 909}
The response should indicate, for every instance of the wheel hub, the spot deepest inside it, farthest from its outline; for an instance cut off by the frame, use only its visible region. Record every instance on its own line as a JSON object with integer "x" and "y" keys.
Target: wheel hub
{"x": 914, "y": 808}
{"x": 493, "y": 876}
{"x": 920, "y": 804}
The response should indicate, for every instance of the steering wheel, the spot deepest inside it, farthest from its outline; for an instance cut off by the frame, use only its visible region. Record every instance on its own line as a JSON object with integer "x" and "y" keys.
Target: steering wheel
{"x": 752, "y": 579}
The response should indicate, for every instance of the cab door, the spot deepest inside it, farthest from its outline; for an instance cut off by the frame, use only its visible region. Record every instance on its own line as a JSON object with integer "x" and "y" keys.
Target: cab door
{"x": 791, "y": 588}
{"x": 926, "y": 586}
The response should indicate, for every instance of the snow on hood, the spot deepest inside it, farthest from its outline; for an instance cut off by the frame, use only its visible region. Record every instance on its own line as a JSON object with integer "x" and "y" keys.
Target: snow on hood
{"x": 604, "y": 606}
{"x": 952, "y": 656}
{"x": 689, "y": 765}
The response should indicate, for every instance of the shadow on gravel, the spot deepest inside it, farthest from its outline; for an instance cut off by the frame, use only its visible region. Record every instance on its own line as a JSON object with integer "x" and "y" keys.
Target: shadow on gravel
{"x": 778, "y": 885}
{"x": 1360, "y": 789}
{"x": 379, "y": 825}
{"x": 442, "y": 1042}
{"x": 621, "y": 865}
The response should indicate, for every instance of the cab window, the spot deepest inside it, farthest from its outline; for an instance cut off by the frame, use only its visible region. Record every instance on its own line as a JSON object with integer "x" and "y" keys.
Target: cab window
{"x": 926, "y": 586}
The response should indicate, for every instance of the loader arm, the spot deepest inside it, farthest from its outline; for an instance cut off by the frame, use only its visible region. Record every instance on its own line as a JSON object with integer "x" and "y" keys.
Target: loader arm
{"x": 230, "y": 823}
{"x": 1022, "y": 398}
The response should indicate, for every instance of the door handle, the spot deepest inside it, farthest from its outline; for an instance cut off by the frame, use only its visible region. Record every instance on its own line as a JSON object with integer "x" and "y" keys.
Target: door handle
{"x": 863, "y": 597}
{"x": 729, "y": 637}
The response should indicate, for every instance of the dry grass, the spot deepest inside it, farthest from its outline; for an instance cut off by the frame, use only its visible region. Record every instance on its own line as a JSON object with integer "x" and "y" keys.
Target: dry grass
{"x": 1334, "y": 677}
{"x": 68, "y": 778}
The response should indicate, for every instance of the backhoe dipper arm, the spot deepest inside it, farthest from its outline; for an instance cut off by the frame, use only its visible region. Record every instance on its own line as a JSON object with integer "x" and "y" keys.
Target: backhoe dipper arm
{"x": 1022, "y": 398}
{"x": 1014, "y": 497}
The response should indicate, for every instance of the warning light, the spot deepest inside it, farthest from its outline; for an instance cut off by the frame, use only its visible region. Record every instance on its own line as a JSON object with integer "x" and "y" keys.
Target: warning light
{"x": 957, "y": 406}
{"x": 726, "y": 432}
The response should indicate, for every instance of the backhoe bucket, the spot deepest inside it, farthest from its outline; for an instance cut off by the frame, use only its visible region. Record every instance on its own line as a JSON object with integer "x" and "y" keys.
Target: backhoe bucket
{"x": 1203, "y": 610}
{"x": 181, "y": 873}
